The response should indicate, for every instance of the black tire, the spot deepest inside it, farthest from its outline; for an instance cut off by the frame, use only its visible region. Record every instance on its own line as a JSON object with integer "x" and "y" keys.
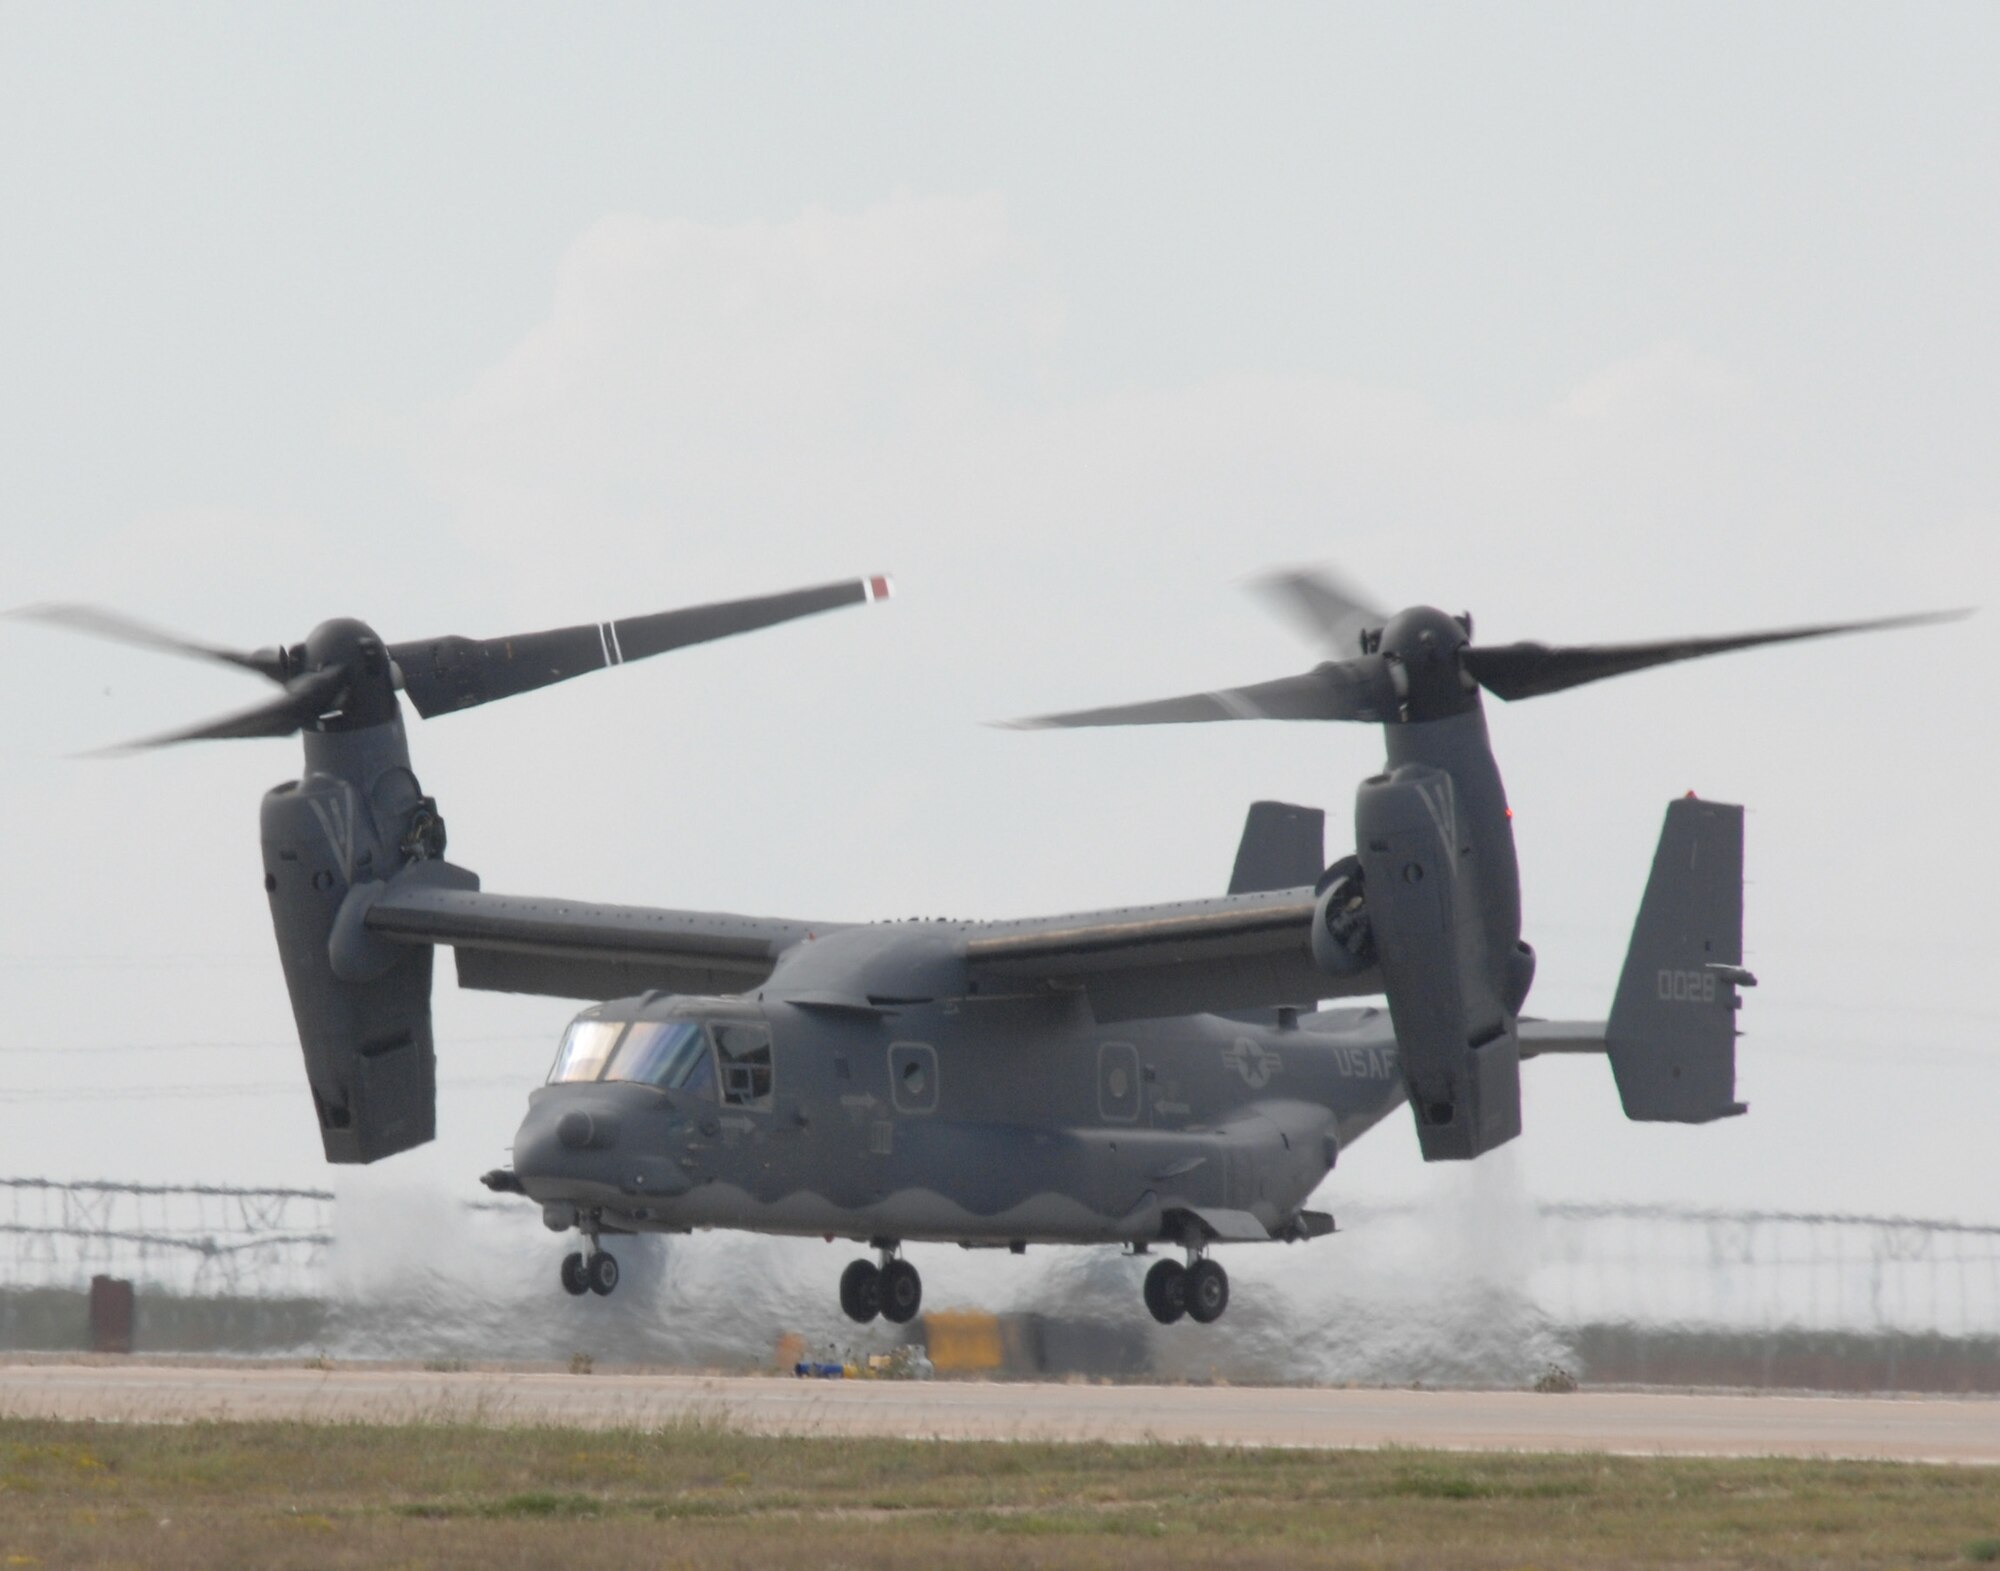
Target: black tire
{"x": 602, "y": 1271}
{"x": 861, "y": 1291}
{"x": 573, "y": 1280}
{"x": 1207, "y": 1292}
{"x": 902, "y": 1292}
{"x": 1166, "y": 1291}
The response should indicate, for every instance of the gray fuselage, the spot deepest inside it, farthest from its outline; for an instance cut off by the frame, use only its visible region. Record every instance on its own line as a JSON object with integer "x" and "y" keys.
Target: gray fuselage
{"x": 971, "y": 1120}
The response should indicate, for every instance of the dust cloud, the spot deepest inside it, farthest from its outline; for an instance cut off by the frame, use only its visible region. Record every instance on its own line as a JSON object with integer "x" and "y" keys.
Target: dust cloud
{"x": 1434, "y": 1291}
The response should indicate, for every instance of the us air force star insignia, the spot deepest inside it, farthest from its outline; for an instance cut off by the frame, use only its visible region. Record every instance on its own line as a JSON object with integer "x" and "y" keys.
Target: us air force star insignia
{"x": 1255, "y": 1064}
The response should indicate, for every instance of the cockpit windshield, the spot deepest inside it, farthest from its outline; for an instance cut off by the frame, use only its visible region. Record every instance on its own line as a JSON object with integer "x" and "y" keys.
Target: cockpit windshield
{"x": 668, "y": 1053}
{"x": 585, "y": 1047}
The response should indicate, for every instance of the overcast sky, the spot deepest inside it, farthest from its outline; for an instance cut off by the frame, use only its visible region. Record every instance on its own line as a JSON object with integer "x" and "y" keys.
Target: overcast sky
{"x": 1602, "y": 322}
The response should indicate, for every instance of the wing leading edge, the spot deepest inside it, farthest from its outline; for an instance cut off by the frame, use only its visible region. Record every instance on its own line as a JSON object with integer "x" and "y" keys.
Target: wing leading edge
{"x": 1197, "y": 956}
{"x": 578, "y": 949}
{"x": 1209, "y": 956}
{"x": 1216, "y": 955}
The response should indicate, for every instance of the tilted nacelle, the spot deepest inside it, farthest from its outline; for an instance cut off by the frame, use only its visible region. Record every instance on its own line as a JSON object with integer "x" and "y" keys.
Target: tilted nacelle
{"x": 1408, "y": 903}
{"x": 363, "y": 1007}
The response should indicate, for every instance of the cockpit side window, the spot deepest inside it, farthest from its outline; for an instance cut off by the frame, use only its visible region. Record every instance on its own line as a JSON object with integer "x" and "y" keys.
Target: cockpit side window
{"x": 585, "y": 1047}
{"x": 744, "y": 1049}
{"x": 668, "y": 1053}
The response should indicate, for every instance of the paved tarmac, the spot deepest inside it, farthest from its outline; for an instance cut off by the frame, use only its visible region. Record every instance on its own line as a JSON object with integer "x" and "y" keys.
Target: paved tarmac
{"x": 1634, "y": 1423}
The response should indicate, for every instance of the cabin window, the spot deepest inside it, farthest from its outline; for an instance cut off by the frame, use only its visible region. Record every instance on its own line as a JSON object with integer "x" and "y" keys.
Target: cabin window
{"x": 585, "y": 1047}
{"x": 672, "y": 1054}
{"x": 743, "y": 1049}
{"x": 913, "y": 1077}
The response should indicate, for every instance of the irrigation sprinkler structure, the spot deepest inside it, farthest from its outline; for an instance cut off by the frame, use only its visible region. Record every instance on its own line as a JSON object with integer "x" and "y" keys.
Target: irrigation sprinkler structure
{"x": 190, "y": 1240}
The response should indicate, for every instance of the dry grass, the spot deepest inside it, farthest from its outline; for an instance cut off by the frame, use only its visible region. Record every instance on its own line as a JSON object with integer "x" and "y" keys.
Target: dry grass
{"x": 700, "y": 1496}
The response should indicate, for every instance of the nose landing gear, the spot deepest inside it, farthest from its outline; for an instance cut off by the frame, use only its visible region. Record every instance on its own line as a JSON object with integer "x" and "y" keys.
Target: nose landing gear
{"x": 596, "y": 1272}
{"x": 892, "y": 1289}
{"x": 1199, "y": 1290}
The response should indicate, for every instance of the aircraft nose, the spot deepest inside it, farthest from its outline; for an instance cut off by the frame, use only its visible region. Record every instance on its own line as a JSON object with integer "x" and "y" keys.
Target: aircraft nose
{"x": 538, "y": 1150}
{"x": 571, "y": 1151}
{"x": 582, "y": 1130}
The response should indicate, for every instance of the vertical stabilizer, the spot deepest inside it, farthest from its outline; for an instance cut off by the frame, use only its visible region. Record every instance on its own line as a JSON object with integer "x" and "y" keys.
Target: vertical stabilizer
{"x": 1283, "y": 847}
{"x": 1672, "y": 1032}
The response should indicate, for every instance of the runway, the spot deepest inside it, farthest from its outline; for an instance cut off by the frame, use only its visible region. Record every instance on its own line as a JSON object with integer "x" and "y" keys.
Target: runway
{"x": 1631, "y": 1423}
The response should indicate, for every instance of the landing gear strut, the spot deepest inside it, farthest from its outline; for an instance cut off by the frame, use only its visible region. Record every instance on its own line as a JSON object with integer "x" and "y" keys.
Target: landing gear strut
{"x": 892, "y": 1289}
{"x": 1199, "y": 1290}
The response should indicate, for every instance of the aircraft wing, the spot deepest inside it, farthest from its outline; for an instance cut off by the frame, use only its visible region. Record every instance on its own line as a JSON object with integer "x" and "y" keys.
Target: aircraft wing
{"x": 1211, "y": 956}
{"x": 575, "y": 949}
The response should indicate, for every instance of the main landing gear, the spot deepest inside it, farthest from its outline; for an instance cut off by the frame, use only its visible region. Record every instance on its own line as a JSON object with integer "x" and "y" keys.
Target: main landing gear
{"x": 892, "y": 1289}
{"x": 1199, "y": 1290}
{"x": 596, "y": 1272}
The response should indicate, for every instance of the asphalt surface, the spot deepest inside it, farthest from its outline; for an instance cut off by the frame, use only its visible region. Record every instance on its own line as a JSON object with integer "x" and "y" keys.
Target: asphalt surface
{"x": 1635, "y": 1423}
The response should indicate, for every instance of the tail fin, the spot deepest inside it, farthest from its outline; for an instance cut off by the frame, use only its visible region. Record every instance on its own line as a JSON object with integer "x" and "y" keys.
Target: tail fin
{"x": 1672, "y": 1032}
{"x": 1283, "y": 847}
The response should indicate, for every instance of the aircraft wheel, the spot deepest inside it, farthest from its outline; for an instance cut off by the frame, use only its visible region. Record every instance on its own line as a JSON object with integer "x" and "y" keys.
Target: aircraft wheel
{"x": 902, "y": 1292}
{"x": 1207, "y": 1291}
{"x": 602, "y": 1271}
{"x": 1166, "y": 1291}
{"x": 861, "y": 1291}
{"x": 573, "y": 1280}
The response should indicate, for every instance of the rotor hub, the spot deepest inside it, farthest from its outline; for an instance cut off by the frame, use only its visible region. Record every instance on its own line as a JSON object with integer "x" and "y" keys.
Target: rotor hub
{"x": 354, "y": 648}
{"x": 1424, "y": 648}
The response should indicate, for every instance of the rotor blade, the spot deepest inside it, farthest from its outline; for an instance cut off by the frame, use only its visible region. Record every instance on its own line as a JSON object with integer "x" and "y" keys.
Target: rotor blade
{"x": 1325, "y": 607}
{"x": 99, "y": 623}
{"x": 304, "y": 700}
{"x": 1528, "y": 670}
{"x": 446, "y": 674}
{"x": 1343, "y": 690}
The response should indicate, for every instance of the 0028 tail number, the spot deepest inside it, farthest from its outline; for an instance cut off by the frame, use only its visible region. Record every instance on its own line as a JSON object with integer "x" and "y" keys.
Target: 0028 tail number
{"x": 1687, "y": 987}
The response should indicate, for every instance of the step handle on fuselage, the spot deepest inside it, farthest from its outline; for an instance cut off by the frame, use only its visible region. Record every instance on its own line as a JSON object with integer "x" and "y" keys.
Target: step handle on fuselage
{"x": 1672, "y": 1032}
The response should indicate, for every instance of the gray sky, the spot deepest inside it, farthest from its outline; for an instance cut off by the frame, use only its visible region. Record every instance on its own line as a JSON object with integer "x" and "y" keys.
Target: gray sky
{"x": 1604, "y": 322}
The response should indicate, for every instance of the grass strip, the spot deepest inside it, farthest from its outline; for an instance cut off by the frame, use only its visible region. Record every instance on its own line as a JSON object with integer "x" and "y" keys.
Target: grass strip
{"x": 699, "y": 1494}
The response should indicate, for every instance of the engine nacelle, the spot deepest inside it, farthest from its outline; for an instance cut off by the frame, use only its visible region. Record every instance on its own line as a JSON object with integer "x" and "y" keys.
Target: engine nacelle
{"x": 1455, "y": 1035}
{"x": 363, "y": 1007}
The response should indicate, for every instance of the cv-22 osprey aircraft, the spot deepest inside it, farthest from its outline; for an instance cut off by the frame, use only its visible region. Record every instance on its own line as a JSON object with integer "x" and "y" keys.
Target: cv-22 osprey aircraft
{"x": 1153, "y": 1078}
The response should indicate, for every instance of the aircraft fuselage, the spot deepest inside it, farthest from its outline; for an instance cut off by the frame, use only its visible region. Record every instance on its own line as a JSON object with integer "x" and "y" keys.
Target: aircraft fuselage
{"x": 994, "y": 1122}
